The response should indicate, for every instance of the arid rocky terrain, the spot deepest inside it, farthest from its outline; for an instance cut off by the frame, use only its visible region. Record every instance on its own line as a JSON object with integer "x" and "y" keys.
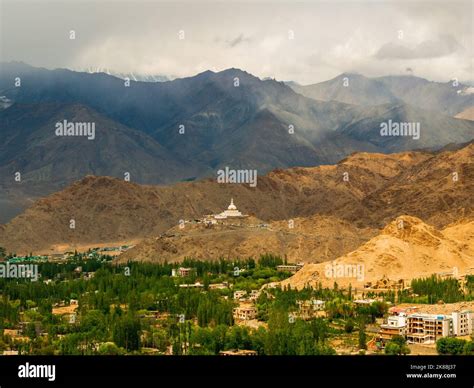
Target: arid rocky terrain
{"x": 334, "y": 210}
{"x": 406, "y": 248}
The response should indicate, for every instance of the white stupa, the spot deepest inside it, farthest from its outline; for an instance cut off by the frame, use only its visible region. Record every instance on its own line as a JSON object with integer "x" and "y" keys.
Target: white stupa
{"x": 231, "y": 212}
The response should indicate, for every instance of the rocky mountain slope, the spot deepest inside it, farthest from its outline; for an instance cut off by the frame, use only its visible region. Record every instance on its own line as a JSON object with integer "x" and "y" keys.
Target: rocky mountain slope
{"x": 208, "y": 121}
{"x": 310, "y": 239}
{"x": 446, "y": 98}
{"x": 367, "y": 190}
{"x": 438, "y": 190}
{"x": 30, "y": 145}
{"x": 406, "y": 248}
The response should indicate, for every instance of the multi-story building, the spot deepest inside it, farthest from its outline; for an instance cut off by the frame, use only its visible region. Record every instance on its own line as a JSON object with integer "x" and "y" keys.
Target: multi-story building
{"x": 183, "y": 272}
{"x": 463, "y": 322}
{"x": 244, "y": 313}
{"x": 307, "y": 308}
{"x": 428, "y": 328}
{"x": 395, "y": 325}
{"x": 425, "y": 328}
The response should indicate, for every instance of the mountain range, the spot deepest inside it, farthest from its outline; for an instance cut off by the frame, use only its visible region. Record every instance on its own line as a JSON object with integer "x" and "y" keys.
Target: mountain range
{"x": 186, "y": 129}
{"x": 448, "y": 98}
{"x": 365, "y": 191}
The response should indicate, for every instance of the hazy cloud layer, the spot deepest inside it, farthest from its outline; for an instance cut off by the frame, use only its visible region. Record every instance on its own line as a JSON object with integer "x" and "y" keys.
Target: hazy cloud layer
{"x": 441, "y": 47}
{"x": 305, "y": 42}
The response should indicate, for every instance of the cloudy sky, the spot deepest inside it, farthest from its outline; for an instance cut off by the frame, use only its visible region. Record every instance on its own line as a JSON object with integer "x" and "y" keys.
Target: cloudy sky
{"x": 306, "y": 42}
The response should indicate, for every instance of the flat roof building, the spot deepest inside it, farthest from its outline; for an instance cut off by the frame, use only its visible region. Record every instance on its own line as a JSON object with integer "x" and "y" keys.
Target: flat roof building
{"x": 463, "y": 322}
{"x": 244, "y": 313}
{"x": 293, "y": 268}
{"x": 395, "y": 325}
{"x": 428, "y": 328}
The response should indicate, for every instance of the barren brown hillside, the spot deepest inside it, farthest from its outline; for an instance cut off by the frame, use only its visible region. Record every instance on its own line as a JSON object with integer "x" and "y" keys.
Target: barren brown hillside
{"x": 439, "y": 190}
{"x": 312, "y": 239}
{"x": 377, "y": 189}
{"x": 406, "y": 248}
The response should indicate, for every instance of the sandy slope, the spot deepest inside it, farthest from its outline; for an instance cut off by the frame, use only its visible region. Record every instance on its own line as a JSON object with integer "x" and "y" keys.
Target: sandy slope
{"x": 405, "y": 249}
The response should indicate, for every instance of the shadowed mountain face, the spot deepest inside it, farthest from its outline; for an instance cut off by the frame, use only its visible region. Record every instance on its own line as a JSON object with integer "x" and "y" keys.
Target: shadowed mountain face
{"x": 368, "y": 190}
{"x": 189, "y": 128}
{"x": 426, "y": 129}
{"x": 446, "y": 98}
{"x": 234, "y": 106}
{"x": 30, "y": 145}
{"x": 351, "y": 89}
{"x": 221, "y": 114}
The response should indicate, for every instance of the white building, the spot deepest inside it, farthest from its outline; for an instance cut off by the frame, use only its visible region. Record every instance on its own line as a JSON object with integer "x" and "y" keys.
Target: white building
{"x": 231, "y": 212}
{"x": 462, "y": 322}
{"x": 426, "y": 328}
{"x": 396, "y": 321}
{"x": 395, "y": 325}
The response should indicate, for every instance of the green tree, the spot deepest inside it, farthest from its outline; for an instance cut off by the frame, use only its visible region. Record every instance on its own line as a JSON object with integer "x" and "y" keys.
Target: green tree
{"x": 110, "y": 349}
{"x": 362, "y": 335}
{"x": 349, "y": 326}
{"x": 397, "y": 346}
{"x": 30, "y": 330}
{"x": 450, "y": 345}
{"x": 126, "y": 333}
{"x": 469, "y": 348}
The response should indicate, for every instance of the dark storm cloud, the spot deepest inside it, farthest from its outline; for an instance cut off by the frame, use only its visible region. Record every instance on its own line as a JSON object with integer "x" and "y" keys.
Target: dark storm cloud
{"x": 327, "y": 38}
